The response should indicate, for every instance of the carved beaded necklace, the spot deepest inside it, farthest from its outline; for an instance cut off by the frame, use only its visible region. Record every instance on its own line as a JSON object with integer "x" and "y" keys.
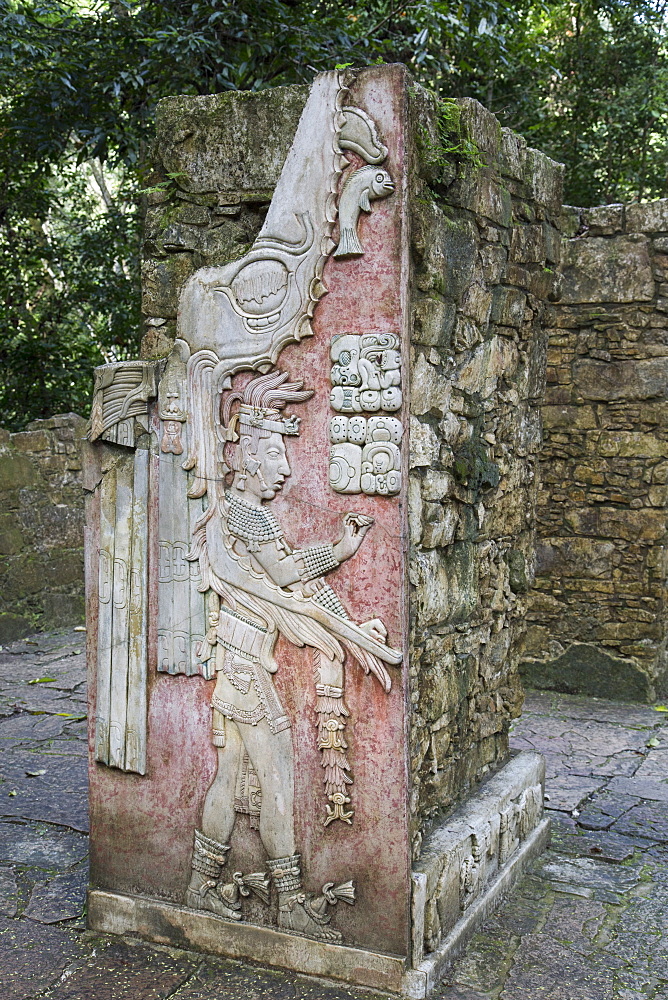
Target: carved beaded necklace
{"x": 254, "y": 525}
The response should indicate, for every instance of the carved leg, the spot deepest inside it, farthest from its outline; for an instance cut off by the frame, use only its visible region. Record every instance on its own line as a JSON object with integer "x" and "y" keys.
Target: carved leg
{"x": 299, "y": 912}
{"x": 218, "y": 815}
{"x": 273, "y": 760}
{"x": 205, "y": 891}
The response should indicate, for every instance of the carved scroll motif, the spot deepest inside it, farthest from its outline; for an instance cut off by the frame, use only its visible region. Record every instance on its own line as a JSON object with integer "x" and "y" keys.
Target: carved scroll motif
{"x": 121, "y": 396}
{"x": 120, "y": 731}
{"x": 366, "y": 378}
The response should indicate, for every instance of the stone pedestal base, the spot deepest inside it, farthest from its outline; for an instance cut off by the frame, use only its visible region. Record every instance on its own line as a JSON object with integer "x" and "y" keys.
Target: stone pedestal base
{"x": 465, "y": 868}
{"x": 421, "y": 981}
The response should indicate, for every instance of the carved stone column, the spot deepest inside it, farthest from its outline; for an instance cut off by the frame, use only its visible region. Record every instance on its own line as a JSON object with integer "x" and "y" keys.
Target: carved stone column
{"x": 310, "y": 531}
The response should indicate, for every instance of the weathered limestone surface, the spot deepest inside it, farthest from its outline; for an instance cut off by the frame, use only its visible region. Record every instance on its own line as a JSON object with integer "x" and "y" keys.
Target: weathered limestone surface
{"x": 41, "y": 526}
{"x": 225, "y": 154}
{"x": 485, "y": 255}
{"x": 598, "y": 614}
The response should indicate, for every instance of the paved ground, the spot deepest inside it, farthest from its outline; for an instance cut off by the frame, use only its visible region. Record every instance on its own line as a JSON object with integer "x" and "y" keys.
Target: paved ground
{"x": 587, "y": 923}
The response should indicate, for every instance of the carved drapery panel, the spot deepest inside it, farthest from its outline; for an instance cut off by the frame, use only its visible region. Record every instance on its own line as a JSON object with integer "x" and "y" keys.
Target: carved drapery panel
{"x": 181, "y": 614}
{"x": 120, "y": 729}
{"x": 181, "y": 611}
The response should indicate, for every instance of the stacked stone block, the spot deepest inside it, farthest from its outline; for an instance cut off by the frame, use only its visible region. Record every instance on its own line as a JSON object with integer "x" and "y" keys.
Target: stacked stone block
{"x": 598, "y": 615}
{"x": 485, "y": 253}
{"x": 41, "y": 526}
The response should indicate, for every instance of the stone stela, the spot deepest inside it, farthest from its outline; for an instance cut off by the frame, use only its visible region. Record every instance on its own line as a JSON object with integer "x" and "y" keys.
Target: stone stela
{"x": 248, "y": 589}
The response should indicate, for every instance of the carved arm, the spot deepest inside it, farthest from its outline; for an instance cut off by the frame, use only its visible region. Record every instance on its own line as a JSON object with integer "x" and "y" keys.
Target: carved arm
{"x": 286, "y": 568}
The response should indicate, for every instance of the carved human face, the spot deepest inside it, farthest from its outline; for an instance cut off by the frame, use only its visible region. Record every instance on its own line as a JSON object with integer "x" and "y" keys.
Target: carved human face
{"x": 273, "y": 467}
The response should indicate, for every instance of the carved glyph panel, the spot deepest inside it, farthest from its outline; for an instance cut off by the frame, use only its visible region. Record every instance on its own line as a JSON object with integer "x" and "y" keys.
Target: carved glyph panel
{"x": 365, "y": 456}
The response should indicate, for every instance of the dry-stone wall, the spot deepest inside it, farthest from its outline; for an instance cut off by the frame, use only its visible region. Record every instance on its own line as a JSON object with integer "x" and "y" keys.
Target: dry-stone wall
{"x": 598, "y": 616}
{"x": 41, "y": 526}
{"x": 485, "y": 254}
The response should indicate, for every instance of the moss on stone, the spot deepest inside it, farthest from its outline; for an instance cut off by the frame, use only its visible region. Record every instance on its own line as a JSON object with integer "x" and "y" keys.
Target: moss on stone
{"x": 473, "y": 468}
{"x": 450, "y": 140}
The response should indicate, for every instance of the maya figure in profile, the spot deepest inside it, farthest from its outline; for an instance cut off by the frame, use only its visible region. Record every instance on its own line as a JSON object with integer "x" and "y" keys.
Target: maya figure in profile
{"x": 259, "y": 586}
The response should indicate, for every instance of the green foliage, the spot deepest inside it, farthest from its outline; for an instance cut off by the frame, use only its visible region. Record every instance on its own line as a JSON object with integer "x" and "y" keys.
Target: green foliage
{"x": 606, "y": 114}
{"x": 452, "y": 142}
{"x": 79, "y": 80}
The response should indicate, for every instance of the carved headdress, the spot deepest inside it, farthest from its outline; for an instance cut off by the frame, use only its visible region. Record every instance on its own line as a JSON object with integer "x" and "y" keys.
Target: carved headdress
{"x": 260, "y": 404}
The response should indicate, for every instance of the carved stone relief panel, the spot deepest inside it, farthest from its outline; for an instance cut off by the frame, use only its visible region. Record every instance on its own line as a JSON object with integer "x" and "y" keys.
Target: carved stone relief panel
{"x": 476, "y": 865}
{"x": 269, "y": 795}
{"x": 518, "y": 820}
{"x": 365, "y": 455}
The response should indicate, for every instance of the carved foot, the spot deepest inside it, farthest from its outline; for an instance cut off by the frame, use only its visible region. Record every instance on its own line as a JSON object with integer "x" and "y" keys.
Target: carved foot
{"x": 205, "y": 894}
{"x": 206, "y": 890}
{"x": 297, "y": 915}
{"x": 303, "y": 913}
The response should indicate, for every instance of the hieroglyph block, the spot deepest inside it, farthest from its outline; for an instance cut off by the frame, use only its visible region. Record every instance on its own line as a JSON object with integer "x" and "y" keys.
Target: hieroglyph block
{"x": 366, "y": 378}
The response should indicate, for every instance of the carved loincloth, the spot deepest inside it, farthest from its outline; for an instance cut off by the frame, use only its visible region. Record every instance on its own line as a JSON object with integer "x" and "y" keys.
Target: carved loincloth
{"x": 251, "y": 695}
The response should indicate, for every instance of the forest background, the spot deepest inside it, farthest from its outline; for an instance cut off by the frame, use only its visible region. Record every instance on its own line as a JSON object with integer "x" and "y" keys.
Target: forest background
{"x": 585, "y": 82}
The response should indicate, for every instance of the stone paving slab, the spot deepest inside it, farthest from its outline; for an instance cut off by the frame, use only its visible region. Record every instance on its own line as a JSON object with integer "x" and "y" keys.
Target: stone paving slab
{"x": 40, "y": 845}
{"x": 647, "y": 821}
{"x": 643, "y": 788}
{"x": 33, "y": 957}
{"x": 9, "y": 893}
{"x": 58, "y": 899}
{"x": 122, "y": 972}
{"x": 58, "y": 795}
{"x": 589, "y": 921}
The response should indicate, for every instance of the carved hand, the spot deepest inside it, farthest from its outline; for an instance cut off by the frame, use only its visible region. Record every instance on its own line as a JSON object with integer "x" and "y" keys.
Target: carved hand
{"x": 355, "y": 527}
{"x": 375, "y": 629}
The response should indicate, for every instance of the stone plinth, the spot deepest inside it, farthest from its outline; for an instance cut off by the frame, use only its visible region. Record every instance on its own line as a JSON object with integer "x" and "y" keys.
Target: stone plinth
{"x": 310, "y": 519}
